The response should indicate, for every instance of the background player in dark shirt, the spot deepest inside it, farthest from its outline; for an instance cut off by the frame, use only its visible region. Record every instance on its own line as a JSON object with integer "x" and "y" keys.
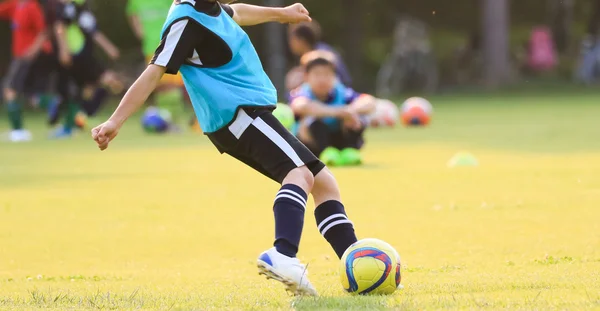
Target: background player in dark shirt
{"x": 82, "y": 75}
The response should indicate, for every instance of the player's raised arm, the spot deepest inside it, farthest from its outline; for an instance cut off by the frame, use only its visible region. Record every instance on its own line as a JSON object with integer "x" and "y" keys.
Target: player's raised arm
{"x": 248, "y": 15}
{"x": 109, "y": 48}
{"x": 131, "y": 102}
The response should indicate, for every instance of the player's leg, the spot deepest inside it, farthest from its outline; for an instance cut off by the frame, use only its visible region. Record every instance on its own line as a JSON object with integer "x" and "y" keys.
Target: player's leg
{"x": 70, "y": 88}
{"x": 98, "y": 82}
{"x": 316, "y": 135}
{"x": 15, "y": 83}
{"x": 350, "y": 141}
{"x": 259, "y": 140}
{"x": 63, "y": 88}
{"x": 332, "y": 221}
{"x": 39, "y": 82}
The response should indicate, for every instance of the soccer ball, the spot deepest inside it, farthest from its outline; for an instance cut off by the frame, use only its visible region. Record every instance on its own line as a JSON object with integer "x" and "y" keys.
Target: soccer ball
{"x": 156, "y": 120}
{"x": 386, "y": 114}
{"x": 81, "y": 120}
{"x": 370, "y": 266}
{"x": 416, "y": 111}
{"x": 285, "y": 115}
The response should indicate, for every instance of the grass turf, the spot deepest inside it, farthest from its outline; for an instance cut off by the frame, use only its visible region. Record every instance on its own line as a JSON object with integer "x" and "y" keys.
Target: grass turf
{"x": 166, "y": 223}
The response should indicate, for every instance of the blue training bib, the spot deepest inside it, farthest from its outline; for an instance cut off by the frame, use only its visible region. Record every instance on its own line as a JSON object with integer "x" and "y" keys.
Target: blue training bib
{"x": 217, "y": 93}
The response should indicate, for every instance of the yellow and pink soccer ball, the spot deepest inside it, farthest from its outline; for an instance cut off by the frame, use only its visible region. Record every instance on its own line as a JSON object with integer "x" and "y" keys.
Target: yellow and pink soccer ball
{"x": 370, "y": 266}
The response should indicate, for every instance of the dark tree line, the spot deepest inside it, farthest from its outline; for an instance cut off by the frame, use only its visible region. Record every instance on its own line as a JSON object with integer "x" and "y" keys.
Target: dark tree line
{"x": 361, "y": 29}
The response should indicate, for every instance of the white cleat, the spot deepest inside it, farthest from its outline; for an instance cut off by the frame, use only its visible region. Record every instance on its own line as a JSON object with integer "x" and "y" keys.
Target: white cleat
{"x": 286, "y": 270}
{"x": 18, "y": 136}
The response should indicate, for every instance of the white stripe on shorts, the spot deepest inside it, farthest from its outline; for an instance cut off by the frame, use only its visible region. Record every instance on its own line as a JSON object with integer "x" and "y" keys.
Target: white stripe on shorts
{"x": 268, "y": 131}
{"x": 241, "y": 123}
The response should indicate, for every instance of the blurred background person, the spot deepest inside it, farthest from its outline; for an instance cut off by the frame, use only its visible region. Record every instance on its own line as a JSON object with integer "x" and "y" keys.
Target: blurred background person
{"x": 83, "y": 77}
{"x": 146, "y": 18}
{"x": 29, "y": 38}
{"x": 331, "y": 116}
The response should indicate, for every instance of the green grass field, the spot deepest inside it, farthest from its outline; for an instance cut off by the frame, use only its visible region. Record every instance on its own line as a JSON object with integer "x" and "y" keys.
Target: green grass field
{"x": 166, "y": 223}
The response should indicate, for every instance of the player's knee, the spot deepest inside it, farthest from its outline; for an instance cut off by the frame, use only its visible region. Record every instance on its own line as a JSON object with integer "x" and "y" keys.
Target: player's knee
{"x": 325, "y": 188}
{"x": 301, "y": 177}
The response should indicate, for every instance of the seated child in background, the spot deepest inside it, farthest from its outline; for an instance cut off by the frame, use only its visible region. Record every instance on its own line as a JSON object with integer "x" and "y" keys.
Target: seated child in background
{"x": 331, "y": 116}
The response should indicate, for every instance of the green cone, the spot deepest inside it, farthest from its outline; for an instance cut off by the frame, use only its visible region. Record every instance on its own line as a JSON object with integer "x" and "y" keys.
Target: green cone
{"x": 463, "y": 159}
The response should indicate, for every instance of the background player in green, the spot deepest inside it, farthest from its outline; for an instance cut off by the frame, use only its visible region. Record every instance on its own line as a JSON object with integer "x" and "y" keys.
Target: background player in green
{"x": 233, "y": 99}
{"x": 146, "y": 18}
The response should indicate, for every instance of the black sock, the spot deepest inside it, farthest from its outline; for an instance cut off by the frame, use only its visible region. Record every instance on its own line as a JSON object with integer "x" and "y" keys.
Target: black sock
{"x": 334, "y": 225}
{"x": 320, "y": 135}
{"x": 289, "y": 207}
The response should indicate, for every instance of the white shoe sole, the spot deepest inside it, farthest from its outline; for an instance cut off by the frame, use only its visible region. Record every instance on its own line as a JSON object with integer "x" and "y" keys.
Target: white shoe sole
{"x": 291, "y": 286}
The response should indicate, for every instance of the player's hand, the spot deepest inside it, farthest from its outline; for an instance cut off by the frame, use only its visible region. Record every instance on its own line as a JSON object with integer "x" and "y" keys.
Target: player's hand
{"x": 350, "y": 119}
{"x": 104, "y": 133}
{"x": 295, "y": 13}
{"x": 65, "y": 59}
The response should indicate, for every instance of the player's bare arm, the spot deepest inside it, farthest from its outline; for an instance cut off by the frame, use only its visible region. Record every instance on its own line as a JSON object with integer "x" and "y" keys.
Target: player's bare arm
{"x": 363, "y": 105}
{"x": 131, "y": 102}
{"x": 109, "y": 48}
{"x": 248, "y": 15}
{"x": 136, "y": 26}
{"x": 64, "y": 55}
{"x": 305, "y": 107}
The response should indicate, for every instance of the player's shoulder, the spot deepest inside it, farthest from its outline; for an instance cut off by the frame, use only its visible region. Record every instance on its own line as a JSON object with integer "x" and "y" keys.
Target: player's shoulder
{"x": 348, "y": 93}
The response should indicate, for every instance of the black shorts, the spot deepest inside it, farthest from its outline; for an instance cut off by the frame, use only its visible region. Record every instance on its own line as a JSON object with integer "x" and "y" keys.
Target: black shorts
{"x": 86, "y": 69}
{"x": 256, "y": 138}
{"x": 41, "y": 73}
{"x": 328, "y": 137}
{"x": 16, "y": 76}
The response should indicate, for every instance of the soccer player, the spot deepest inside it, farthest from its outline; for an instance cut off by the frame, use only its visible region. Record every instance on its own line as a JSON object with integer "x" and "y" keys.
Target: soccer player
{"x": 146, "y": 18}
{"x": 332, "y": 117}
{"x": 233, "y": 99}
{"x": 76, "y": 35}
{"x": 29, "y": 38}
